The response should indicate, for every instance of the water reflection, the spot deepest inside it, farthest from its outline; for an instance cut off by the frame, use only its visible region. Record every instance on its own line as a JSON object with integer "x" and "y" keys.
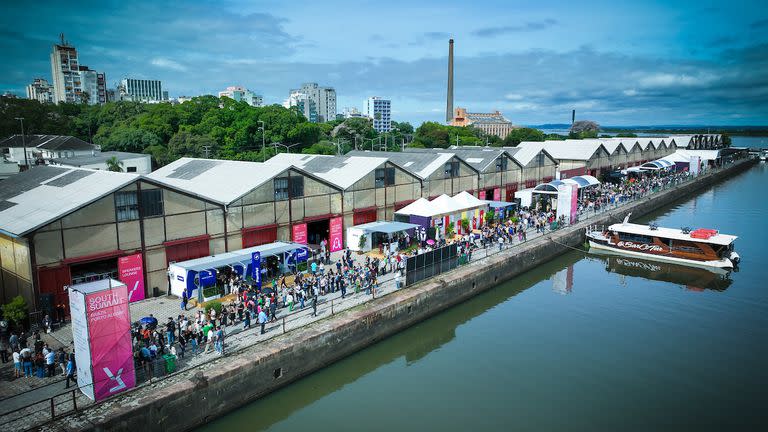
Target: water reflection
{"x": 692, "y": 278}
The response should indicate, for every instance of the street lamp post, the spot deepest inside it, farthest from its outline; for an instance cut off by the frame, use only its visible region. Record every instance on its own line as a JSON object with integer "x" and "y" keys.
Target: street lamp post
{"x": 287, "y": 147}
{"x": 263, "y": 132}
{"x": 23, "y": 142}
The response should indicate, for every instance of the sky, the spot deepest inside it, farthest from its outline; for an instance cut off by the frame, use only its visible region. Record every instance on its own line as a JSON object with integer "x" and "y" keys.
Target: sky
{"x": 628, "y": 62}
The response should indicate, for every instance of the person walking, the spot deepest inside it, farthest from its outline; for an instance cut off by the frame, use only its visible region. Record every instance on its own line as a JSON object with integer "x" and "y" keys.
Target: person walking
{"x": 184, "y": 300}
{"x": 219, "y": 337}
{"x": 262, "y": 320}
{"x": 50, "y": 363}
{"x": 17, "y": 372}
{"x": 314, "y": 305}
{"x": 70, "y": 371}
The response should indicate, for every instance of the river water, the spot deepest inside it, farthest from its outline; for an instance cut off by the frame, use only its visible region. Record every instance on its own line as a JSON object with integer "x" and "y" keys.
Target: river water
{"x": 582, "y": 343}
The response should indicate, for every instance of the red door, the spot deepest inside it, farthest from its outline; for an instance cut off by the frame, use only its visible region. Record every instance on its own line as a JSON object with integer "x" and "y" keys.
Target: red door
{"x": 52, "y": 282}
{"x": 360, "y": 217}
{"x": 183, "y": 250}
{"x": 255, "y": 236}
{"x": 511, "y": 189}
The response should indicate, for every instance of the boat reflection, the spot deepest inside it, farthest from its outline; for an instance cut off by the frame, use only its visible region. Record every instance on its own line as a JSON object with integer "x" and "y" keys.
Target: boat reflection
{"x": 692, "y": 278}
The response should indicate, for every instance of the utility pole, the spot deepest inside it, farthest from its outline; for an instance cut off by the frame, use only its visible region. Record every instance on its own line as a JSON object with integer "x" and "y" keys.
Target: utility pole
{"x": 206, "y": 151}
{"x": 23, "y": 139}
{"x": 457, "y": 140}
{"x": 263, "y": 132}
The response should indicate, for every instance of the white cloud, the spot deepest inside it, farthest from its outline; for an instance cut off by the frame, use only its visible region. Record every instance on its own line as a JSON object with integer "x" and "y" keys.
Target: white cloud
{"x": 630, "y": 92}
{"x": 514, "y": 96}
{"x": 665, "y": 80}
{"x": 165, "y": 63}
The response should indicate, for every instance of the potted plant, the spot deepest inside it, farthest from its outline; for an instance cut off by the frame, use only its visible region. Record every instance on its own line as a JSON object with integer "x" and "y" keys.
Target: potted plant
{"x": 211, "y": 293}
{"x": 465, "y": 225}
{"x": 361, "y": 243}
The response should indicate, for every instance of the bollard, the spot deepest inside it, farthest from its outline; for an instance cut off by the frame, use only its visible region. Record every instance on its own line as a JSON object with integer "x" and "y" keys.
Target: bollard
{"x": 53, "y": 414}
{"x": 331, "y": 306}
{"x": 283, "y": 325}
{"x": 74, "y": 400}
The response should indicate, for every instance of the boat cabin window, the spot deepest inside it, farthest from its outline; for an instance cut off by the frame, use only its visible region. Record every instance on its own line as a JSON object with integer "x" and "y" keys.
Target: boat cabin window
{"x": 636, "y": 238}
{"x": 684, "y": 246}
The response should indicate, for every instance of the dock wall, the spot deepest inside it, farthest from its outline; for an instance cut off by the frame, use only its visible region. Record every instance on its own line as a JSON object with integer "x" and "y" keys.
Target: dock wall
{"x": 193, "y": 398}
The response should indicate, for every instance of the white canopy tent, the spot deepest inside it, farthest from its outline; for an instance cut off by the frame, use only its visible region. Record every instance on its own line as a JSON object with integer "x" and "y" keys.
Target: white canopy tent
{"x": 355, "y": 233}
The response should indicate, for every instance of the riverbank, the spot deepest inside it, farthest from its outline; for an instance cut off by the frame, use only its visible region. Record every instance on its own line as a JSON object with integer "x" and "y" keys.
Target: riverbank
{"x": 232, "y": 381}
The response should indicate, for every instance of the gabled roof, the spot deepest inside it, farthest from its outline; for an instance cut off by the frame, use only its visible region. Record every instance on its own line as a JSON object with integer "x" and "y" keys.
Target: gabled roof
{"x": 100, "y": 157}
{"x": 479, "y": 158}
{"x": 569, "y": 149}
{"x": 527, "y": 150}
{"x": 421, "y": 164}
{"x": 682, "y": 140}
{"x": 613, "y": 145}
{"x": 48, "y": 142}
{"x": 343, "y": 171}
{"x": 40, "y": 195}
{"x": 220, "y": 181}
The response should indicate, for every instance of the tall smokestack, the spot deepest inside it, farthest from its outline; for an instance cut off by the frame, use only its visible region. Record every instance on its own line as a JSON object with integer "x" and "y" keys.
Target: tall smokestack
{"x": 573, "y": 117}
{"x": 449, "y": 102}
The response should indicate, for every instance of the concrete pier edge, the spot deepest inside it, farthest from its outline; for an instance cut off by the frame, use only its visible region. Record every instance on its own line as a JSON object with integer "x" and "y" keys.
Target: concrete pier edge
{"x": 195, "y": 397}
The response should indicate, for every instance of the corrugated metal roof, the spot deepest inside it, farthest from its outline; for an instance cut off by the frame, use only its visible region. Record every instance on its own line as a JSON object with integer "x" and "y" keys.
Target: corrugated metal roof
{"x": 37, "y": 197}
{"x": 420, "y": 164}
{"x": 343, "y": 171}
{"x": 48, "y": 142}
{"x": 221, "y": 181}
{"x": 99, "y": 157}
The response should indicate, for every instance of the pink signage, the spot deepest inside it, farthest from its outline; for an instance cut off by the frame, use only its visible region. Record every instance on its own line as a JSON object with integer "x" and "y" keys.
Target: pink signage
{"x": 336, "y": 234}
{"x": 574, "y": 204}
{"x": 131, "y": 272}
{"x": 300, "y": 233}
{"x": 109, "y": 334}
{"x": 497, "y": 194}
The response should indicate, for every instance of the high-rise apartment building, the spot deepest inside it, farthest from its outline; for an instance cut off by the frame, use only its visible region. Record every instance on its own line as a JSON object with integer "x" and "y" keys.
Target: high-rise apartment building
{"x": 71, "y": 79}
{"x": 304, "y": 103}
{"x": 140, "y": 90}
{"x": 242, "y": 94}
{"x": 379, "y": 110}
{"x": 40, "y": 90}
{"x": 94, "y": 86}
{"x": 324, "y": 99}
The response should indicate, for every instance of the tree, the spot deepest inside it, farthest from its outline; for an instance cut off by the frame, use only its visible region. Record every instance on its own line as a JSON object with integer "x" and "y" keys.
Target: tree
{"x": 16, "y": 310}
{"x": 187, "y": 144}
{"x": 518, "y": 135}
{"x": 322, "y": 148}
{"x": 114, "y": 164}
{"x": 584, "y": 129}
{"x": 85, "y": 97}
{"x": 129, "y": 139}
{"x": 626, "y": 135}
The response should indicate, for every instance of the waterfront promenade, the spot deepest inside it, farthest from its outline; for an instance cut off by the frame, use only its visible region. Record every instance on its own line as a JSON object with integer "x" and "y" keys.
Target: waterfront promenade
{"x": 239, "y": 341}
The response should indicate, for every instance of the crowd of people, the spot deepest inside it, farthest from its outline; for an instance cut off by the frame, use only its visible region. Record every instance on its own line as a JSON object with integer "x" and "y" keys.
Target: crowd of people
{"x": 34, "y": 358}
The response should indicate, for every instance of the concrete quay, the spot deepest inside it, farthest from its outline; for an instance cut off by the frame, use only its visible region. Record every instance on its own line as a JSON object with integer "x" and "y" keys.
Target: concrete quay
{"x": 196, "y": 396}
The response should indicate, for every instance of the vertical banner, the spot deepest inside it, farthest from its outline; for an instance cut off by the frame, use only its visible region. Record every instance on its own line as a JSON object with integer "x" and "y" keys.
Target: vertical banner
{"x": 102, "y": 337}
{"x": 256, "y": 268}
{"x": 694, "y": 165}
{"x": 336, "y": 232}
{"x": 300, "y": 233}
{"x": 567, "y": 202}
{"x": 131, "y": 272}
{"x": 497, "y": 194}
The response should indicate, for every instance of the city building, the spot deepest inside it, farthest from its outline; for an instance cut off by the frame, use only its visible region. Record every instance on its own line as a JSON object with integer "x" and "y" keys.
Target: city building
{"x": 138, "y": 163}
{"x": 43, "y": 147}
{"x": 94, "y": 85}
{"x": 323, "y": 99}
{"x": 141, "y": 90}
{"x": 304, "y": 104}
{"x": 40, "y": 90}
{"x": 238, "y": 93}
{"x": 379, "y": 110}
{"x": 490, "y": 123}
{"x": 352, "y": 112}
{"x": 71, "y": 79}
{"x": 373, "y": 186}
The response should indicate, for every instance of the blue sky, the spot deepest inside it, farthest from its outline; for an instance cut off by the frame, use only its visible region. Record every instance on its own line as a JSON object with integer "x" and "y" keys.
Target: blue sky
{"x": 619, "y": 63}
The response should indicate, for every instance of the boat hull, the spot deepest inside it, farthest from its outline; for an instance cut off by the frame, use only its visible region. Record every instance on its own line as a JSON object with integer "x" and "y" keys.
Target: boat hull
{"x": 724, "y": 263}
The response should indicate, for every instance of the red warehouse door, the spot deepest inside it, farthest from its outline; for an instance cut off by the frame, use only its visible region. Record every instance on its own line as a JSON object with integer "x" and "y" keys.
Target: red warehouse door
{"x": 187, "y": 249}
{"x": 259, "y": 235}
{"x": 360, "y": 217}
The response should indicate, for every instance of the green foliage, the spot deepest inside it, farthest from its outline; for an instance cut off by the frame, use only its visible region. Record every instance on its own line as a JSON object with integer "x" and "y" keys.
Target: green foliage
{"x": 215, "y": 305}
{"x": 626, "y": 135}
{"x": 582, "y": 129}
{"x": 449, "y": 230}
{"x": 114, "y": 164}
{"x": 211, "y": 291}
{"x": 435, "y": 135}
{"x": 322, "y": 148}
{"x": 489, "y": 215}
{"x": 518, "y": 135}
{"x": 726, "y": 139}
{"x": 465, "y": 225}
{"x": 16, "y": 310}
{"x": 362, "y": 241}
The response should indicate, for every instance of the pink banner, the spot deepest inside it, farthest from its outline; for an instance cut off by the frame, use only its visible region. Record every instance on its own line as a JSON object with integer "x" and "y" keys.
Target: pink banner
{"x": 109, "y": 332}
{"x": 336, "y": 234}
{"x": 574, "y": 203}
{"x": 300, "y": 233}
{"x": 497, "y": 194}
{"x": 131, "y": 272}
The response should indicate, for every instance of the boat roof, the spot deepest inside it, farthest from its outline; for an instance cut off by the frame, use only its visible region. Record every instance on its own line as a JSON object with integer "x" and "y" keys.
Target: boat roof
{"x": 670, "y": 233}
